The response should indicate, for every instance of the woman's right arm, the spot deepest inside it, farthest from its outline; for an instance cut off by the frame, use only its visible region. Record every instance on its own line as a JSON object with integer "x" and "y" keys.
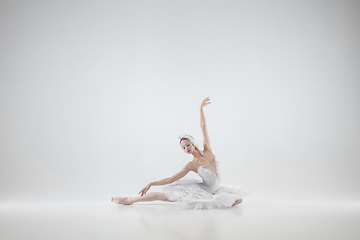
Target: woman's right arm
{"x": 187, "y": 168}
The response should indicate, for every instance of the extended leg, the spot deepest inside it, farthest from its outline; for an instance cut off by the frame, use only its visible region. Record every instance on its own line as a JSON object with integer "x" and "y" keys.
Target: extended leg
{"x": 152, "y": 196}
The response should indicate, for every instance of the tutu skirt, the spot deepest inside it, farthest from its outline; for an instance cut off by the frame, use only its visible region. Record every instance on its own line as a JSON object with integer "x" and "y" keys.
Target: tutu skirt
{"x": 194, "y": 194}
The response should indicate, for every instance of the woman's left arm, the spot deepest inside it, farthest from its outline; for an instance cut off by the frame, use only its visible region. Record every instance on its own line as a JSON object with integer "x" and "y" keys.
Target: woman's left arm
{"x": 203, "y": 126}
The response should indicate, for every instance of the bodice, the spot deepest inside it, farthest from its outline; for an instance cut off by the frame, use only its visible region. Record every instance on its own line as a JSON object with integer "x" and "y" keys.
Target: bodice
{"x": 210, "y": 179}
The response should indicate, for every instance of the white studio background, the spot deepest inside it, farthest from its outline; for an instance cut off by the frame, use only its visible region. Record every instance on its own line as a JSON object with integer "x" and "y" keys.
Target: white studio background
{"x": 93, "y": 95}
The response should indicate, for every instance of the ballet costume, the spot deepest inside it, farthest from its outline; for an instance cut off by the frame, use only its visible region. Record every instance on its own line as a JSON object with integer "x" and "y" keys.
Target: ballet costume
{"x": 205, "y": 194}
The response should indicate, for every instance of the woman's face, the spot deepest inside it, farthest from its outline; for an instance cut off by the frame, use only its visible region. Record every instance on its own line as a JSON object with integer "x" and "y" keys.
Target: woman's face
{"x": 187, "y": 146}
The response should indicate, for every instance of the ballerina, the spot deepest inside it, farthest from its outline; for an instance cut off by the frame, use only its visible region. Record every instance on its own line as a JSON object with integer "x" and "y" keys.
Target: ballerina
{"x": 193, "y": 194}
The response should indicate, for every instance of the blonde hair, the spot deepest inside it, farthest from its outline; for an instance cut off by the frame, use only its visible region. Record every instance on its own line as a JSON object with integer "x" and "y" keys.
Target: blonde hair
{"x": 189, "y": 138}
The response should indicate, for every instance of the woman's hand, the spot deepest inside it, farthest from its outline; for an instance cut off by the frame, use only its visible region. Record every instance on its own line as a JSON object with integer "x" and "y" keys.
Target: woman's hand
{"x": 145, "y": 189}
{"x": 205, "y": 102}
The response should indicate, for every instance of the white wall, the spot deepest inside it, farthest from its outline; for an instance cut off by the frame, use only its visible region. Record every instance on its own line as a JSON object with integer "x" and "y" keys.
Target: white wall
{"x": 93, "y": 95}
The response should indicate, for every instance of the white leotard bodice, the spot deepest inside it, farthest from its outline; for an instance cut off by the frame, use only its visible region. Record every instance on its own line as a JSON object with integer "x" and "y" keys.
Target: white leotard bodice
{"x": 211, "y": 179}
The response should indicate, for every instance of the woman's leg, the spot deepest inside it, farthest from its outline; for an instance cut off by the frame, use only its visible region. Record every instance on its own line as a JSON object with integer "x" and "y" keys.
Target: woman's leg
{"x": 152, "y": 196}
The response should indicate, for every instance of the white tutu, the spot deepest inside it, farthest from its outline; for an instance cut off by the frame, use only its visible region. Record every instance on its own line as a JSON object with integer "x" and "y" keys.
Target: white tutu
{"x": 205, "y": 194}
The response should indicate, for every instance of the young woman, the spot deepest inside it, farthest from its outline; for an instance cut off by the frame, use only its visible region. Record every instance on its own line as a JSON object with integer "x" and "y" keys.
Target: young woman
{"x": 206, "y": 194}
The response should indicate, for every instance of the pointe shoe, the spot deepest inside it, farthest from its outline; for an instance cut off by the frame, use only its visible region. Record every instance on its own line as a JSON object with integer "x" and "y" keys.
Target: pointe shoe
{"x": 126, "y": 200}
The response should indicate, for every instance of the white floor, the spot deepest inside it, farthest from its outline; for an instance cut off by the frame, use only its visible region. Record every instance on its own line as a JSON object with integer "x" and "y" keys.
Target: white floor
{"x": 159, "y": 220}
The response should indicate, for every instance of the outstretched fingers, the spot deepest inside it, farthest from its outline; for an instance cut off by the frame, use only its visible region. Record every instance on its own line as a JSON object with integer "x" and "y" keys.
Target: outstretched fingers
{"x": 205, "y": 102}
{"x": 144, "y": 190}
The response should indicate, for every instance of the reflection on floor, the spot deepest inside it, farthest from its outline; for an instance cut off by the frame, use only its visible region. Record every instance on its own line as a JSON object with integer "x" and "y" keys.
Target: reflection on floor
{"x": 159, "y": 220}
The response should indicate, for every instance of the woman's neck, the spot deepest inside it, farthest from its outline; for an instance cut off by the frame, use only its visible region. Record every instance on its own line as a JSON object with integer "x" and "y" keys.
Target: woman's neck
{"x": 197, "y": 154}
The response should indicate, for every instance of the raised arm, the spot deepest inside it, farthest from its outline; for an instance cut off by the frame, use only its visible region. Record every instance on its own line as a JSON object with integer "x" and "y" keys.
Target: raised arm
{"x": 203, "y": 126}
{"x": 165, "y": 181}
